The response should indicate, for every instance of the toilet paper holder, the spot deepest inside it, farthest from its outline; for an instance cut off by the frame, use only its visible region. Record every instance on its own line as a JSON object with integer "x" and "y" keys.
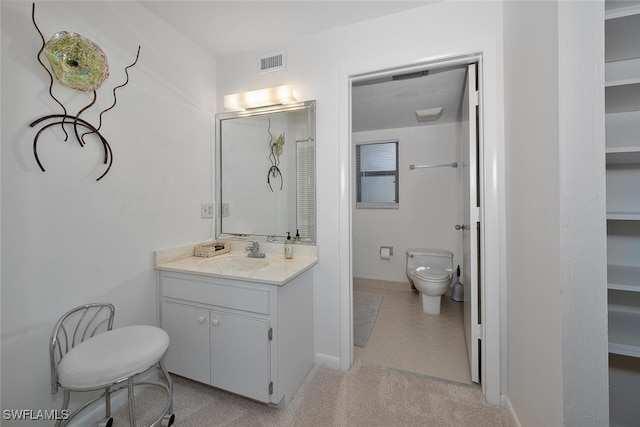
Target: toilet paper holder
{"x": 386, "y": 252}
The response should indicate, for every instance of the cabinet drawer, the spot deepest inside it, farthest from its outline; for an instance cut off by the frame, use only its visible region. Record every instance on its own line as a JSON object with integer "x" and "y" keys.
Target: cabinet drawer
{"x": 229, "y": 296}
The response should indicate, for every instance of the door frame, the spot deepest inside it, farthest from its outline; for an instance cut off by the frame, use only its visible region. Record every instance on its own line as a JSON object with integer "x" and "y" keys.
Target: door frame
{"x": 492, "y": 213}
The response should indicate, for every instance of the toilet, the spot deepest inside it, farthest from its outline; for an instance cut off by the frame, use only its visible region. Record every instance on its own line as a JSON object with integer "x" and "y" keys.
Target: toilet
{"x": 431, "y": 272}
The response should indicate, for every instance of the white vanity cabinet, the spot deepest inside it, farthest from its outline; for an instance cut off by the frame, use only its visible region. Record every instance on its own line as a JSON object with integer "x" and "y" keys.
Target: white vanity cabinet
{"x": 622, "y": 121}
{"x": 252, "y": 339}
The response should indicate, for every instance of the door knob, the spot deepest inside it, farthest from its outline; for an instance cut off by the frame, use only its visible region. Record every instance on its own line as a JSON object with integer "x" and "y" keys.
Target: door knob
{"x": 214, "y": 322}
{"x": 459, "y": 227}
{"x": 200, "y": 319}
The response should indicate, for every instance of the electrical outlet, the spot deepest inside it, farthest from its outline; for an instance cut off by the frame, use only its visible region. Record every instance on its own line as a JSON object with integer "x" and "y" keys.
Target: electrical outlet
{"x": 206, "y": 210}
{"x": 224, "y": 210}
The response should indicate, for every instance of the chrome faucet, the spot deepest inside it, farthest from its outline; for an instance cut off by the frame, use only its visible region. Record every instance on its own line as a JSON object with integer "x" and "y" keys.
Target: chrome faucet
{"x": 254, "y": 250}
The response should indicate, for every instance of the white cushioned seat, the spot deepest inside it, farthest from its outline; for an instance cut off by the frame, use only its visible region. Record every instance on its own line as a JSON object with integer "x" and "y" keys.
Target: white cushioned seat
{"x": 111, "y": 356}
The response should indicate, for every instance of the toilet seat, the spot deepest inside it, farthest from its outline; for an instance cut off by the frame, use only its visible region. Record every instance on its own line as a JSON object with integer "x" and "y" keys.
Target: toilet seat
{"x": 431, "y": 274}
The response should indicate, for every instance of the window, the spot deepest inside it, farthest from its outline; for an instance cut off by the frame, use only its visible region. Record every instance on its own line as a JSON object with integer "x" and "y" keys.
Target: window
{"x": 377, "y": 174}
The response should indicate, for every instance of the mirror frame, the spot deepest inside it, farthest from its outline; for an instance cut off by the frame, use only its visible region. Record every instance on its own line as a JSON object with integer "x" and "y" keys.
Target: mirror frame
{"x": 220, "y": 118}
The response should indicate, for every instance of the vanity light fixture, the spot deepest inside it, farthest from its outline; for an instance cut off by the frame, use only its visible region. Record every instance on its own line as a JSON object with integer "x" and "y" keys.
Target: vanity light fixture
{"x": 259, "y": 98}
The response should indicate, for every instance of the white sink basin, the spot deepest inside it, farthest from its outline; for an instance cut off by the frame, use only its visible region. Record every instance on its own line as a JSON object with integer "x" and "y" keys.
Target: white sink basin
{"x": 235, "y": 263}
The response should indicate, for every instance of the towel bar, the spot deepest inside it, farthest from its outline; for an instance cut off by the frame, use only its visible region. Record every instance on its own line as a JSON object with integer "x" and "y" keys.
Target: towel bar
{"x": 444, "y": 165}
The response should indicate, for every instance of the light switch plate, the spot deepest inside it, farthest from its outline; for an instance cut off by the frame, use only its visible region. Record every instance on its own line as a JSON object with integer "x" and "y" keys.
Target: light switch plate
{"x": 206, "y": 210}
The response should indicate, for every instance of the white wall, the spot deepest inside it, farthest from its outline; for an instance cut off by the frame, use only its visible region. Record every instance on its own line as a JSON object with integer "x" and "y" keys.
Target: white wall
{"x": 430, "y": 203}
{"x": 67, "y": 239}
{"x": 583, "y": 213}
{"x": 320, "y": 66}
{"x": 534, "y": 307}
{"x": 554, "y": 139}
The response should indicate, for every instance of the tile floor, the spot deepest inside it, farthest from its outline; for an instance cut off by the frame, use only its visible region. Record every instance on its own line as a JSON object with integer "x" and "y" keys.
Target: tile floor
{"x": 406, "y": 338}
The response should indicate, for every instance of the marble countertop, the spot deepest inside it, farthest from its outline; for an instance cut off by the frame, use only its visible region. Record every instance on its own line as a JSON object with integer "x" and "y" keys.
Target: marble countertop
{"x": 272, "y": 269}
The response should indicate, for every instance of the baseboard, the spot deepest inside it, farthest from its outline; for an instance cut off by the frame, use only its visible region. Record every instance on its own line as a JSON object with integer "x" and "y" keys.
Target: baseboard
{"x": 506, "y": 403}
{"x": 362, "y": 282}
{"x": 95, "y": 413}
{"x": 325, "y": 359}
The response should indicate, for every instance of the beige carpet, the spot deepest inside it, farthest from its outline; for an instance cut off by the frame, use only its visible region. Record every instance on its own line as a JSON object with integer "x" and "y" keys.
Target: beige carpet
{"x": 363, "y": 396}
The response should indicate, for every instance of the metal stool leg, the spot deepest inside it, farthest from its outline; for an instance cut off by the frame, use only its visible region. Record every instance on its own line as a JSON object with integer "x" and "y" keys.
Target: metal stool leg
{"x": 169, "y": 384}
{"x": 169, "y": 417}
{"x": 108, "y": 421}
{"x": 107, "y": 402}
{"x": 132, "y": 404}
{"x": 65, "y": 406}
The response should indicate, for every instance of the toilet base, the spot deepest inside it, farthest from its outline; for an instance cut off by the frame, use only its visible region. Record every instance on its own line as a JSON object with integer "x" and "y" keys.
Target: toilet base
{"x": 430, "y": 304}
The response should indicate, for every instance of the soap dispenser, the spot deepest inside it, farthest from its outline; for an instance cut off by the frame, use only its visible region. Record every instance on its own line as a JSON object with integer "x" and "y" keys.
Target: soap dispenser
{"x": 288, "y": 247}
{"x": 297, "y": 238}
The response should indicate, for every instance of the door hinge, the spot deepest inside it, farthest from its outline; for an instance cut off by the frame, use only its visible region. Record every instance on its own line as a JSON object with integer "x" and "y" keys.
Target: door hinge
{"x": 475, "y": 97}
{"x": 270, "y": 334}
{"x": 477, "y": 214}
{"x": 271, "y": 387}
{"x": 479, "y": 332}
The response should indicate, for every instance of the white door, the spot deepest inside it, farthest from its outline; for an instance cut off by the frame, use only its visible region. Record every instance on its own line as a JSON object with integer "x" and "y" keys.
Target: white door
{"x": 471, "y": 230}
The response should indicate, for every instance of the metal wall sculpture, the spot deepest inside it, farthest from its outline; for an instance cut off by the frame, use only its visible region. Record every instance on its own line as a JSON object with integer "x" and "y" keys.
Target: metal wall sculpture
{"x": 275, "y": 148}
{"x": 80, "y": 64}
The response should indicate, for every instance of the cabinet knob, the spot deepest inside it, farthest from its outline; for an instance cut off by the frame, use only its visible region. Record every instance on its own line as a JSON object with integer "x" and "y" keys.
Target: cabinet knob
{"x": 214, "y": 322}
{"x": 201, "y": 319}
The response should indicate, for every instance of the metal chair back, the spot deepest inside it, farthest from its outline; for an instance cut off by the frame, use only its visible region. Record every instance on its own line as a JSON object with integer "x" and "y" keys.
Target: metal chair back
{"x": 74, "y": 327}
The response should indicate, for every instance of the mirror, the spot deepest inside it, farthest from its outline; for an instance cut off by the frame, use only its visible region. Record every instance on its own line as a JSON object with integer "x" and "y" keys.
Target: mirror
{"x": 265, "y": 173}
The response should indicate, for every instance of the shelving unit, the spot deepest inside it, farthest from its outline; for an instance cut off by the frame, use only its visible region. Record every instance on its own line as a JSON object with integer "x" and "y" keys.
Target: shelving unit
{"x": 622, "y": 121}
{"x": 622, "y": 107}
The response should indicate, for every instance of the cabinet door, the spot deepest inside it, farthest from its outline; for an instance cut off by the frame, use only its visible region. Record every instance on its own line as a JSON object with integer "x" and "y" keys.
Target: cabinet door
{"x": 188, "y": 329}
{"x": 240, "y": 355}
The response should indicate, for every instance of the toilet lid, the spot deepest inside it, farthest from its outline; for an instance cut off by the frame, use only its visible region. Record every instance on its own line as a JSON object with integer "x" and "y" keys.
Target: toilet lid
{"x": 431, "y": 273}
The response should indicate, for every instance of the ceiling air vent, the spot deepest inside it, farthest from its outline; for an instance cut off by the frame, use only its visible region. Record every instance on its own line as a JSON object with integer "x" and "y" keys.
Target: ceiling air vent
{"x": 272, "y": 62}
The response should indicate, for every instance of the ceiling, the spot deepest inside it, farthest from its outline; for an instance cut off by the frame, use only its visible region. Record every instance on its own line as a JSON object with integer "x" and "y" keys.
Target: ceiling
{"x": 393, "y": 103}
{"x": 230, "y": 27}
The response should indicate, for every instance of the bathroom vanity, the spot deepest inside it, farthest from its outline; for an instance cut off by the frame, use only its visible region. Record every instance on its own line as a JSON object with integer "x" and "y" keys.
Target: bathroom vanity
{"x": 241, "y": 324}
{"x": 235, "y": 322}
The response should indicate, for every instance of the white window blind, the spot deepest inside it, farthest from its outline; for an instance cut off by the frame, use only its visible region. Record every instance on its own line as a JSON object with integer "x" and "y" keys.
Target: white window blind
{"x": 306, "y": 191}
{"x": 377, "y": 174}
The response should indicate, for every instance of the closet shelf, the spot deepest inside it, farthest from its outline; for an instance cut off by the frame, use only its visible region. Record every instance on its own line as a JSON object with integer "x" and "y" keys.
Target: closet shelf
{"x": 621, "y": 37}
{"x": 624, "y": 333}
{"x": 623, "y": 155}
{"x": 623, "y": 216}
{"x": 623, "y": 98}
{"x": 621, "y": 12}
{"x": 623, "y": 278}
{"x": 622, "y": 72}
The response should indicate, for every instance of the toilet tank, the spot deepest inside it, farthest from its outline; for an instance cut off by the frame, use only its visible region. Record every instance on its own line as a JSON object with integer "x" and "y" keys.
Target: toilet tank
{"x": 430, "y": 257}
